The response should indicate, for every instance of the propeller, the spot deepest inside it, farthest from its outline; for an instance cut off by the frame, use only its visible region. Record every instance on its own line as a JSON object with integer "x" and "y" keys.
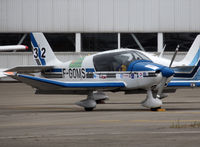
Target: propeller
{"x": 164, "y": 79}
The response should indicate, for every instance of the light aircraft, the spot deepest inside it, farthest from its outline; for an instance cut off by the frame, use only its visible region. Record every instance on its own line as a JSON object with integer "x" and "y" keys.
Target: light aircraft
{"x": 115, "y": 70}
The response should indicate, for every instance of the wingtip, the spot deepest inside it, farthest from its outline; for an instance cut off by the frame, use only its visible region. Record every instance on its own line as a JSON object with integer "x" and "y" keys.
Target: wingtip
{"x": 26, "y": 47}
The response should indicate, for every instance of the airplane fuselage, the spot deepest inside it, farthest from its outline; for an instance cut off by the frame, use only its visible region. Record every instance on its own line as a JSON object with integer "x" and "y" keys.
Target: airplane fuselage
{"x": 83, "y": 71}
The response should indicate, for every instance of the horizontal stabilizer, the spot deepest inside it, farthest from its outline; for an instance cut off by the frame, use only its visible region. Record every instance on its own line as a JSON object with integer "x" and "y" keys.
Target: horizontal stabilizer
{"x": 2, "y": 74}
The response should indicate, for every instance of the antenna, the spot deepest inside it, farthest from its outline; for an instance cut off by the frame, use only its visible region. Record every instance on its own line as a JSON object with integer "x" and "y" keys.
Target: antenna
{"x": 161, "y": 54}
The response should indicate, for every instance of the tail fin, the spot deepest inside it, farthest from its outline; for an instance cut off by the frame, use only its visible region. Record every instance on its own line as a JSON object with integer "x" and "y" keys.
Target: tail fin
{"x": 42, "y": 52}
{"x": 193, "y": 55}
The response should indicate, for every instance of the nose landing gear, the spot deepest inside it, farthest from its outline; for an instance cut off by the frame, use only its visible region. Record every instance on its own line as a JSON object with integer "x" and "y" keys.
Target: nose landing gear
{"x": 151, "y": 102}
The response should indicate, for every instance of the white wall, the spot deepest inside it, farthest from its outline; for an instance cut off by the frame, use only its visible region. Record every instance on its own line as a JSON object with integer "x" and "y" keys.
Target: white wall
{"x": 100, "y": 15}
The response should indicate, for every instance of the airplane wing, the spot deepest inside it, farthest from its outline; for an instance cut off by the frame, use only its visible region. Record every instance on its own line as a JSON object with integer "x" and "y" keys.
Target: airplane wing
{"x": 13, "y": 47}
{"x": 48, "y": 84}
{"x": 28, "y": 69}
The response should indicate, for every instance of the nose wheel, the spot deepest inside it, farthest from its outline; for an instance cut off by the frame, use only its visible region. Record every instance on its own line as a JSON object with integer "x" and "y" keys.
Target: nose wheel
{"x": 150, "y": 102}
{"x": 88, "y": 109}
{"x": 155, "y": 109}
{"x": 100, "y": 101}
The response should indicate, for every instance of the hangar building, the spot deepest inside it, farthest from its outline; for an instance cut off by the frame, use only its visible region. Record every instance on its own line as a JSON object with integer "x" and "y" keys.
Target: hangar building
{"x": 76, "y": 27}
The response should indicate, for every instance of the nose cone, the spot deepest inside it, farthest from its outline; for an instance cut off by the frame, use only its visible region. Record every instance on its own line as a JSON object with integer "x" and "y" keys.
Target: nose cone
{"x": 167, "y": 72}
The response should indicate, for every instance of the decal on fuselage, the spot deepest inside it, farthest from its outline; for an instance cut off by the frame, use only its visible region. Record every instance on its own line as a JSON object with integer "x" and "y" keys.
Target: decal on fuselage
{"x": 139, "y": 75}
{"x": 75, "y": 73}
{"x": 135, "y": 75}
{"x": 39, "y": 55}
{"x": 76, "y": 63}
{"x": 81, "y": 73}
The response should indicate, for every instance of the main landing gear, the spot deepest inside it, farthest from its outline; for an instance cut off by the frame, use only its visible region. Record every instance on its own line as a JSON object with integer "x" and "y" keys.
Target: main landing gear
{"x": 95, "y": 98}
{"x": 92, "y": 100}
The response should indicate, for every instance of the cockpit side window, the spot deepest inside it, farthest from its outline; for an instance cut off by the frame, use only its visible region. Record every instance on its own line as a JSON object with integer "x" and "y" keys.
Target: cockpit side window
{"x": 103, "y": 63}
{"x": 142, "y": 56}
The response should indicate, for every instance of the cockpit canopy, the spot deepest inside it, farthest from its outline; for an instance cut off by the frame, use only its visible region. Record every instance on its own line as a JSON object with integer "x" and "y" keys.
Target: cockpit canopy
{"x": 116, "y": 61}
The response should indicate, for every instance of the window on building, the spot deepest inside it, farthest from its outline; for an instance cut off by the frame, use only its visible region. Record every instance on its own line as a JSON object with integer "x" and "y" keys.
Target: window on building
{"x": 147, "y": 40}
{"x": 64, "y": 42}
{"x": 59, "y": 42}
{"x": 95, "y": 42}
{"x": 185, "y": 40}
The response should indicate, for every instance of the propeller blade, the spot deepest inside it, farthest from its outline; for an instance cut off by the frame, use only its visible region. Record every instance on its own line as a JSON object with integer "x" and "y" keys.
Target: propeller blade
{"x": 162, "y": 85}
{"x": 173, "y": 57}
{"x": 164, "y": 79}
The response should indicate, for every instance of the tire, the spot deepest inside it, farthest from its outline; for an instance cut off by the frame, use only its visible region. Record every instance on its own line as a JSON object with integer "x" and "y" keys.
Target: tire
{"x": 88, "y": 109}
{"x": 155, "y": 109}
{"x": 100, "y": 101}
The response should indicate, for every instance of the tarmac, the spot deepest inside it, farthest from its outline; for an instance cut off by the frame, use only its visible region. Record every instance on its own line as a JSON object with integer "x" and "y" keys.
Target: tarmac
{"x": 30, "y": 120}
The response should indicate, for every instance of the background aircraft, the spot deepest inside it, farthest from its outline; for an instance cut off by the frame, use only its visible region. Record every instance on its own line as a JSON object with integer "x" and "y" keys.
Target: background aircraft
{"x": 116, "y": 70}
{"x": 10, "y": 48}
{"x": 13, "y": 47}
{"x": 187, "y": 72}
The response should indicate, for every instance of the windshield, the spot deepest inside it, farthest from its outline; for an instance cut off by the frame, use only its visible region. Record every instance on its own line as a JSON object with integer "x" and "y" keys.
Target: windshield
{"x": 118, "y": 61}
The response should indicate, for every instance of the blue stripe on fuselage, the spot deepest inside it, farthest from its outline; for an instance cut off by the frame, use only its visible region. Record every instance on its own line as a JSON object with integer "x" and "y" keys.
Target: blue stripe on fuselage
{"x": 90, "y": 70}
{"x": 183, "y": 84}
{"x": 54, "y": 70}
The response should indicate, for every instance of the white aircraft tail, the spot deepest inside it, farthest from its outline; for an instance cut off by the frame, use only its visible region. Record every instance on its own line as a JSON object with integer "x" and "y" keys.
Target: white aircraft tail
{"x": 193, "y": 54}
{"x": 42, "y": 52}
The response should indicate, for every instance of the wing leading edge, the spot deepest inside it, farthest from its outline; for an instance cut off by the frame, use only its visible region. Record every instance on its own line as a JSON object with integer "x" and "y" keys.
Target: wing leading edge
{"x": 47, "y": 84}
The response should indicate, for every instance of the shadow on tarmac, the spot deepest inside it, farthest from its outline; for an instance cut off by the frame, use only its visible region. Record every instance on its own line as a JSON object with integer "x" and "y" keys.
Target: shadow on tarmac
{"x": 36, "y": 109}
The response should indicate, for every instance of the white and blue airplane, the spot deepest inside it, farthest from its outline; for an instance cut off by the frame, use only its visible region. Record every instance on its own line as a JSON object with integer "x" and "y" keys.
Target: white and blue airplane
{"x": 125, "y": 70}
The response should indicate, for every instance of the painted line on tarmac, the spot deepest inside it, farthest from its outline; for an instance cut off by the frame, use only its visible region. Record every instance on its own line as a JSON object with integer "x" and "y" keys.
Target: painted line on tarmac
{"x": 163, "y": 121}
{"x": 17, "y": 137}
{"x": 185, "y": 112}
{"x": 57, "y": 122}
{"x": 181, "y": 132}
{"x": 109, "y": 120}
{"x": 89, "y": 134}
{"x": 148, "y": 121}
{"x": 39, "y": 108}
